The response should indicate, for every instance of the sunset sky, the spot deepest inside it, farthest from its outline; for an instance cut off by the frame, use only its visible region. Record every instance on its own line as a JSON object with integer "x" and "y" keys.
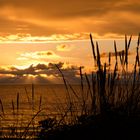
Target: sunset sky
{"x": 37, "y": 33}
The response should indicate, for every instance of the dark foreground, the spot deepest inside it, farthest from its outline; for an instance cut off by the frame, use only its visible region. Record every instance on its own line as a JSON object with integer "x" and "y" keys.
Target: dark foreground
{"x": 100, "y": 127}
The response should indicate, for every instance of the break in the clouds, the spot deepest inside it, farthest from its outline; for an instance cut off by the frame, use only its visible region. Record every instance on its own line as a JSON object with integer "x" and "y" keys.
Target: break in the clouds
{"x": 40, "y": 73}
{"x": 47, "y": 17}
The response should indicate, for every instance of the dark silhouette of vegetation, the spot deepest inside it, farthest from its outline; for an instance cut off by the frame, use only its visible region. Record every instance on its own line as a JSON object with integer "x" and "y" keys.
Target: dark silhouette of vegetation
{"x": 109, "y": 106}
{"x": 106, "y": 107}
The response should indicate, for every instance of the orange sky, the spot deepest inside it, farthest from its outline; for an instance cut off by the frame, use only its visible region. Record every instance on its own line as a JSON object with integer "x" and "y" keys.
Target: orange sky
{"x": 34, "y": 32}
{"x": 39, "y": 20}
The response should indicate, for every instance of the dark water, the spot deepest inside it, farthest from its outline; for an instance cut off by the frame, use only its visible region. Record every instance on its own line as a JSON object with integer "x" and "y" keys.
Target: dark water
{"x": 20, "y": 103}
{"x": 23, "y": 106}
{"x": 27, "y": 93}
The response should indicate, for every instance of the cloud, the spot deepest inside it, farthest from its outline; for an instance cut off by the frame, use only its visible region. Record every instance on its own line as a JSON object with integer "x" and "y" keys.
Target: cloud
{"x": 23, "y": 37}
{"x": 69, "y": 9}
{"x": 41, "y": 67}
{"x": 39, "y": 73}
{"x": 69, "y": 17}
{"x": 45, "y": 53}
{"x": 39, "y": 55}
{"x": 64, "y": 47}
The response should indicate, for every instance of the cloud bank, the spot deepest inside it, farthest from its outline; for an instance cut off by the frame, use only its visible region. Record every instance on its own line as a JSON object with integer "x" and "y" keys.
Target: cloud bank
{"x": 40, "y": 73}
{"x": 44, "y": 18}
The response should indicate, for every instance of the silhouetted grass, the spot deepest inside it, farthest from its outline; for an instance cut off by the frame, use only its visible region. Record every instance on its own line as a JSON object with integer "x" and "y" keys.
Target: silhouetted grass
{"x": 110, "y": 105}
{"x": 106, "y": 107}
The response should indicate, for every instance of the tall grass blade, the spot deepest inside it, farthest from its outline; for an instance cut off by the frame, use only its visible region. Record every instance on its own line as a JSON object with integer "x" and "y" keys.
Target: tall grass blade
{"x": 125, "y": 41}
{"x": 13, "y": 108}
{"x": 138, "y": 42}
{"x": 28, "y": 126}
{"x": 2, "y": 108}
{"x": 33, "y": 97}
{"x": 93, "y": 47}
{"x": 89, "y": 86}
{"x": 120, "y": 55}
{"x": 82, "y": 90}
{"x": 81, "y": 76}
{"x": 74, "y": 92}
{"x": 115, "y": 48}
{"x": 129, "y": 42}
{"x": 109, "y": 60}
{"x": 66, "y": 86}
{"x": 137, "y": 57}
{"x": 17, "y": 103}
{"x": 126, "y": 53}
{"x": 98, "y": 57}
{"x": 113, "y": 80}
{"x": 28, "y": 98}
{"x": 131, "y": 100}
{"x": 93, "y": 94}
{"x": 40, "y": 103}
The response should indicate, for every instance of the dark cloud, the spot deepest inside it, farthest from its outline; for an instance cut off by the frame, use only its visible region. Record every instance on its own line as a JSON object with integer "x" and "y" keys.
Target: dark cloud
{"x": 46, "y": 17}
{"x": 15, "y": 75}
{"x": 45, "y": 53}
{"x": 62, "y": 8}
{"x": 121, "y": 27}
{"x": 41, "y": 67}
{"x": 64, "y": 47}
{"x": 23, "y": 80}
{"x": 8, "y": 27}
{"x": 18, "y": 72}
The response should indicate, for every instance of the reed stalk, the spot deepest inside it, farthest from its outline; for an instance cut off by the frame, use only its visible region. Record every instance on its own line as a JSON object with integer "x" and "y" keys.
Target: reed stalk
{"x": 2, "y": 108}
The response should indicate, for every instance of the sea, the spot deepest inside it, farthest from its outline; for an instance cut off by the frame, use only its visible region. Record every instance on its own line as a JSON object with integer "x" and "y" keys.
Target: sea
{"x": 24, "y": 104}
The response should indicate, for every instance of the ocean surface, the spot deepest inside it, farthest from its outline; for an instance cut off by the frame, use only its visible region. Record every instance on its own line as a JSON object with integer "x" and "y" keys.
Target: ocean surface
{"x": 20, "y": 103}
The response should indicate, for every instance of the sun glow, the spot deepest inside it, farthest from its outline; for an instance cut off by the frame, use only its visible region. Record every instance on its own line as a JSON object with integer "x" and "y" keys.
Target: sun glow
{"x": 31, "y": 76}
{"x": 22, "y": 67}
